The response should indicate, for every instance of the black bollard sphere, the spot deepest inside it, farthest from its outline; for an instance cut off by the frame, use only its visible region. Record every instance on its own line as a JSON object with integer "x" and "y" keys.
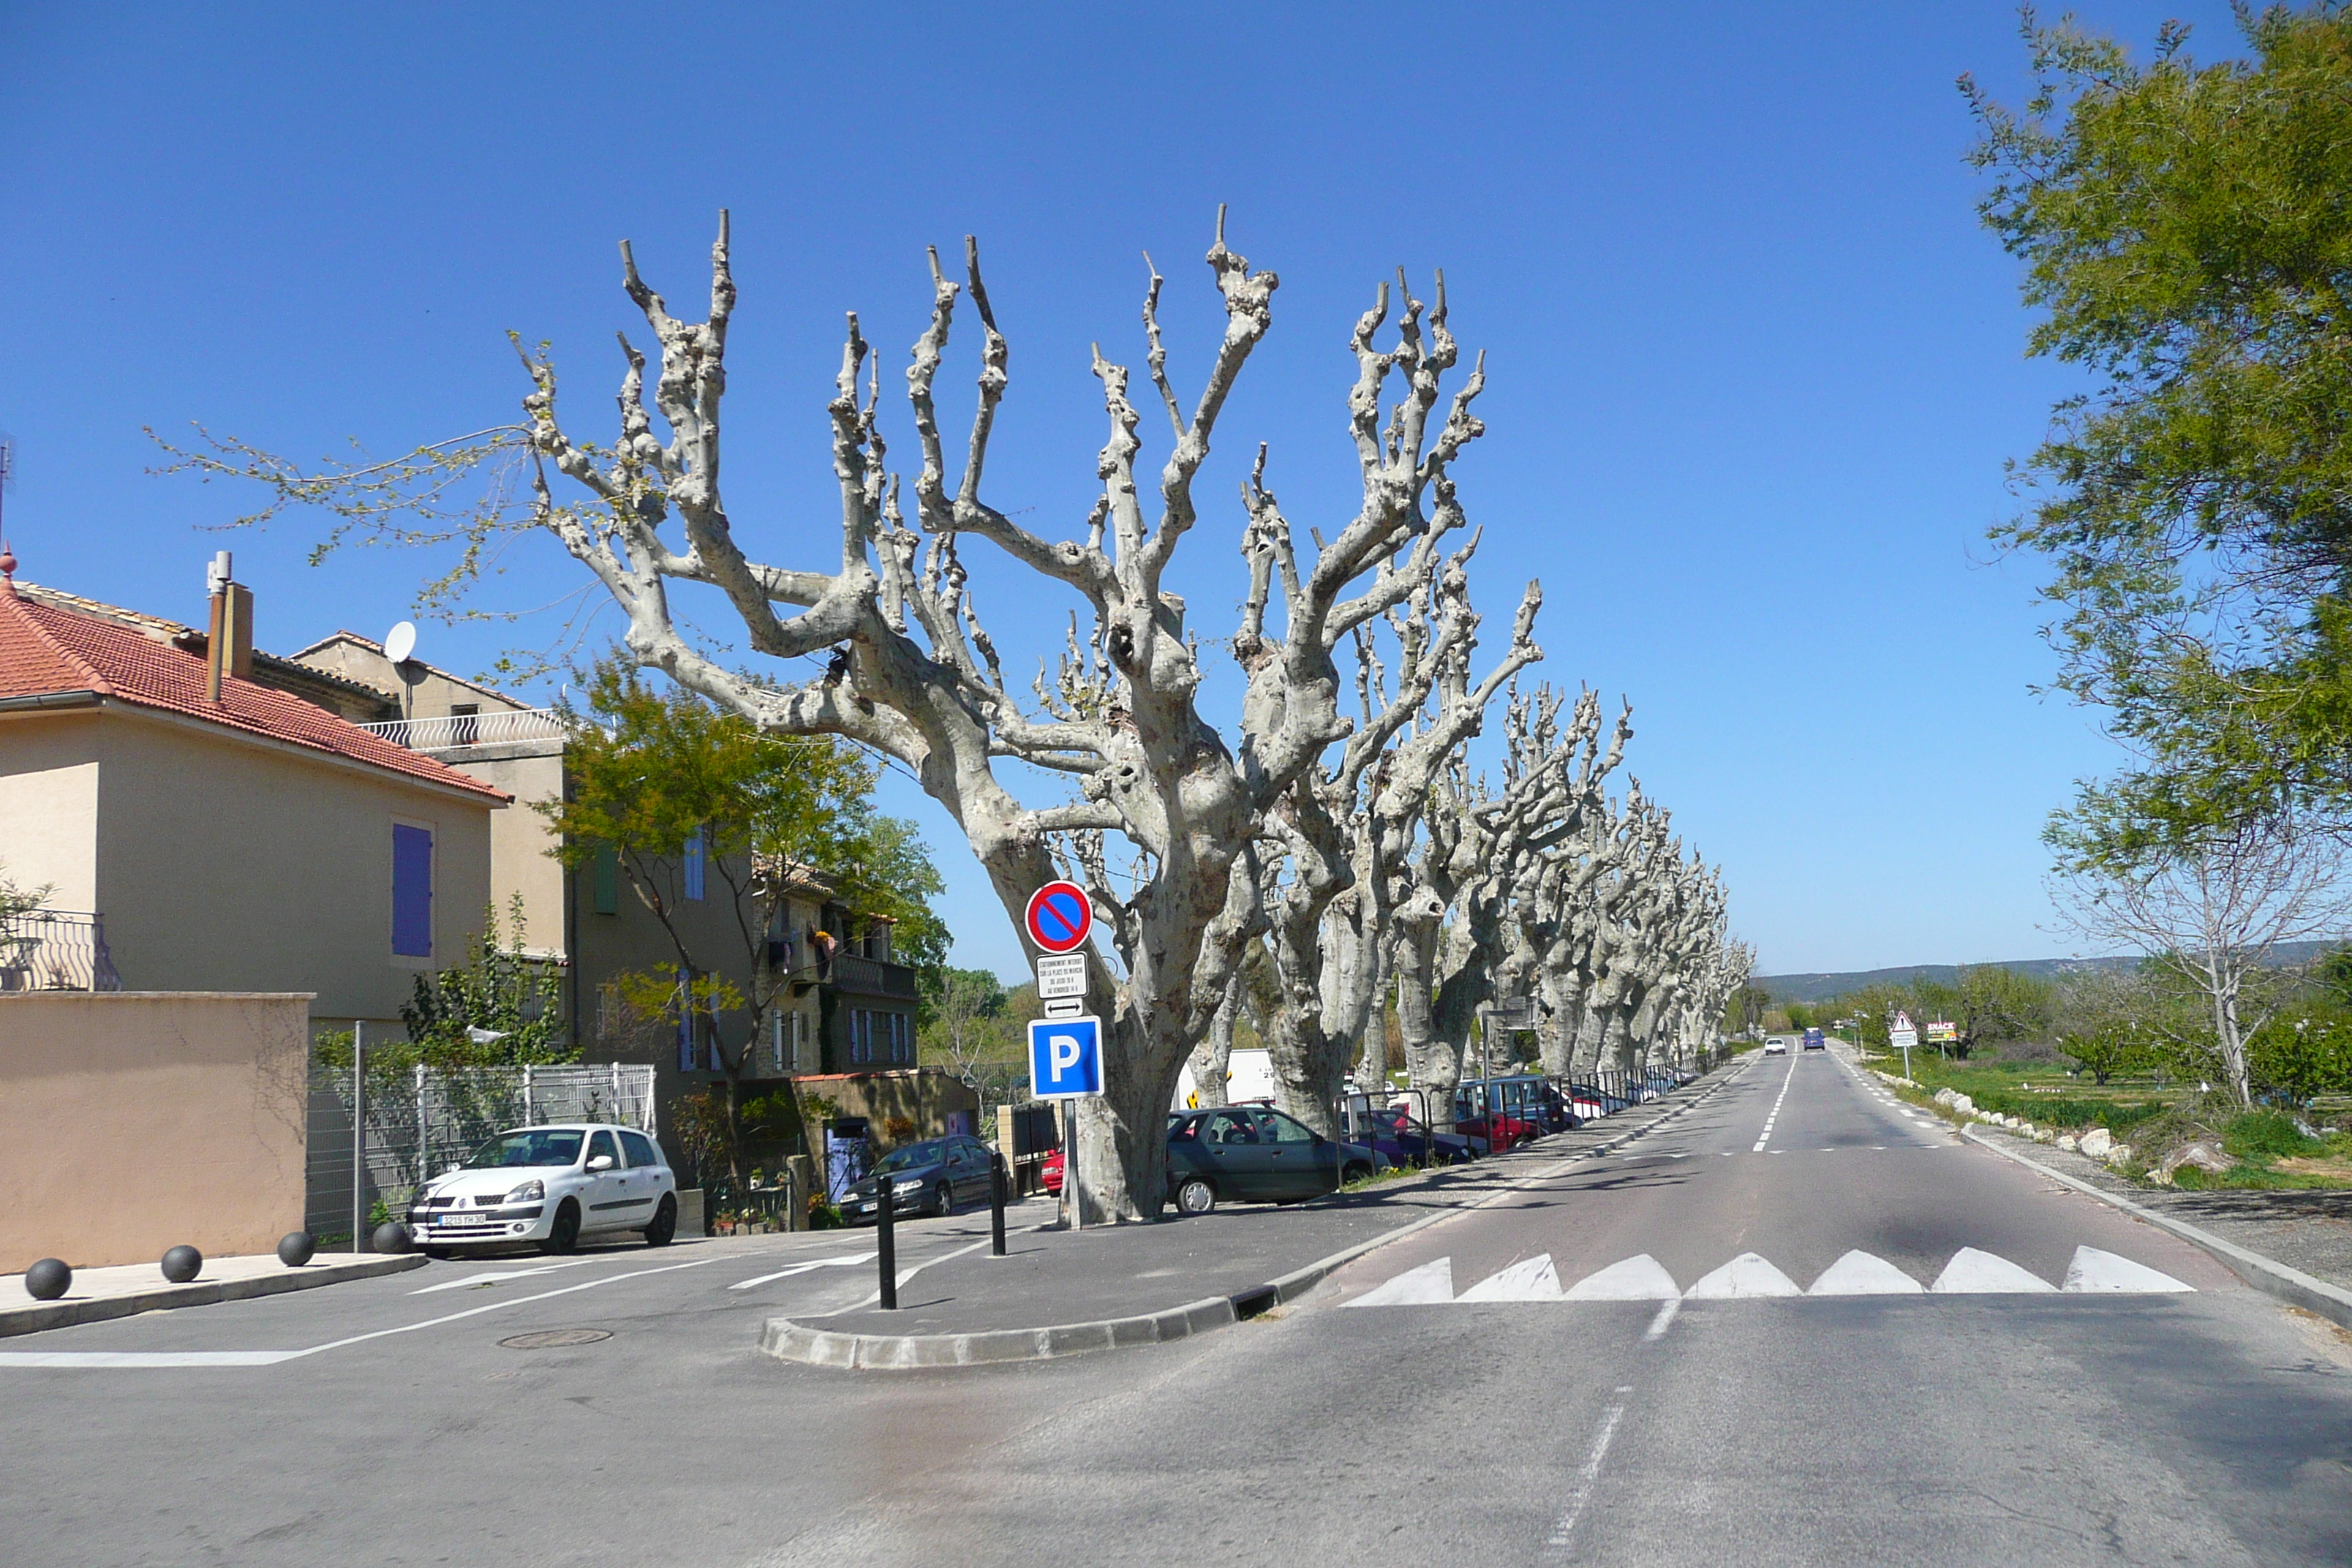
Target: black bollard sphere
{"x": 295, "y": 1247}
{"x": 47, "y": 1279}
{"x": 182, "y": 1264}
{"x": 392, "y": 1236}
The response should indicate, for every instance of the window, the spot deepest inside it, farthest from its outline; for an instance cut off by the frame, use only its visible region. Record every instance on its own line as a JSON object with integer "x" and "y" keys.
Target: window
{"x": 697, "y": 846}
{"x": 412, "y": 891}
{"x": 902, "y": 1049}
{"x": 605, "y": 880}
{"x": 602, "y": 1144}
{"x": 641, "y": 1150}
{"x": 776, "y": 1041}
{"x": 1275, "y": 1128}
{"x": 1229, "y": 1127}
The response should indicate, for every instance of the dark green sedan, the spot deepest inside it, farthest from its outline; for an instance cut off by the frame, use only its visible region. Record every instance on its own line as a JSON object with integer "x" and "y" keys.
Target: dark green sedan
{"x": 1251, "y": 1154}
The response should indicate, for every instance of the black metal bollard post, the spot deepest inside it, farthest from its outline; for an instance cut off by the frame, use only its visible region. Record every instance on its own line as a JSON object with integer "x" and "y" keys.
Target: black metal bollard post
{"x": 887, "y": 1242}
{"x": 996, "y": 1206}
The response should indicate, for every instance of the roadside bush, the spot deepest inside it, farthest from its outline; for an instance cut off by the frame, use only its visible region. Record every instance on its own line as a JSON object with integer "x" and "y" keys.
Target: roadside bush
{"x": 2262, "y": 1134}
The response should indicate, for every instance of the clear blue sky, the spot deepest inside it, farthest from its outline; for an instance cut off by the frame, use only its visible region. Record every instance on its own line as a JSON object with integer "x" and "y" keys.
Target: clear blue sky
{"x": 1753, "y": 367}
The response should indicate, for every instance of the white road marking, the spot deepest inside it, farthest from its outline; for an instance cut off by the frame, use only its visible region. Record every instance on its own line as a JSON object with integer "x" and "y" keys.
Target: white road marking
{"x": 1774, "y": 1114}
{"x": 1429, "y": 1283}
{"x": 1582, "y": 1493}
{"x": 1638, "y": 1279}
{"x": 1858, "y": 1273}
{"x": 1532, "y": 1280}
{"x": 493, "y": 1279}
{"x": 2095, "y": 1270}
{"x": 812, "y": 1263}
{"x": 1974, "y": 1273}
{"x": 270, "y": 1358}
{"x": 147, "y": 1358}
{"x": 1666, "y": 1315}
{"x": 906, "y": 1274}
{"x": 1745, "y": 1275}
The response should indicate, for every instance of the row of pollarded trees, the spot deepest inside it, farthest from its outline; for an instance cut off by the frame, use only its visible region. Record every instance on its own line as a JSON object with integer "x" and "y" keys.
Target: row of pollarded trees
{"x": 1332, "y": 831}
{"x": 1441, "y": 892}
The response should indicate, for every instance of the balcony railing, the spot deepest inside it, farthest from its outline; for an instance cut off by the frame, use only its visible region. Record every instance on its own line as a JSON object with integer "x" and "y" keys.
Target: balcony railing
{"x": 55, "y": 950}
{"x": 455, "y": 732}
{"x": 873, "y": 976}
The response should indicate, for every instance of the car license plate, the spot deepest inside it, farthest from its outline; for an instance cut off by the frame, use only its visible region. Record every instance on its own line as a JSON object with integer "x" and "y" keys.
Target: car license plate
{"x": 463, "y": 1219}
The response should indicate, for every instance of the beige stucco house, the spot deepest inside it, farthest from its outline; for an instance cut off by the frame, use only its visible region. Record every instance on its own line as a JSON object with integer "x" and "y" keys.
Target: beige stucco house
{"x": 336, "y": 821}
{"x": 230, "y": 836}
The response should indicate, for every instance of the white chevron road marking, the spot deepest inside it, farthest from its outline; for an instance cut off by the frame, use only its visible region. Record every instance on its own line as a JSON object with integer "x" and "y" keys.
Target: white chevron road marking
{"x": 1974, "y": 1273}
{"x": 2104, "y": 1271}
{"x": 1429, "y": 1283}
{"x": 1858, "y": 1273}
{"x": 1638, "y": 1279}
{"x": 1533, "y": 1279}
{"x": 1752, "y": 1276}
{"x": 1749, "y": 1274}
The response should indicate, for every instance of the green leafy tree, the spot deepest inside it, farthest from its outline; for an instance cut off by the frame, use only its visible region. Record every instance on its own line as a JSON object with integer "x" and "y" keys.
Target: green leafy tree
{"x": 2183, "y": 227}
{"x": 654, "y": 772}
{"x": 501, "y": 1007}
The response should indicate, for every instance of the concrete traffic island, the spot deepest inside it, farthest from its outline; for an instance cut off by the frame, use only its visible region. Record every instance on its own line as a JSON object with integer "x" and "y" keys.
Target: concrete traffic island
{"x": 1059, "y": 1292}
{"x": 129, "y": 1288}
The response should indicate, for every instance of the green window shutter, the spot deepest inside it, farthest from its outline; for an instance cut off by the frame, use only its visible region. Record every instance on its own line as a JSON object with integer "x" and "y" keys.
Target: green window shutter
{"x": 604, "y": 885}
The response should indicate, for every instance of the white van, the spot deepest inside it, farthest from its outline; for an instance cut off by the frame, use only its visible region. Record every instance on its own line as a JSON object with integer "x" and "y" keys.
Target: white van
{"x": 1249, "y": 1075}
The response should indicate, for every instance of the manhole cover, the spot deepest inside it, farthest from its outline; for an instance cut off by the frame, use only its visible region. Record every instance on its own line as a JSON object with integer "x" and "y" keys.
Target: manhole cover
{"x": 554, "y": 1339}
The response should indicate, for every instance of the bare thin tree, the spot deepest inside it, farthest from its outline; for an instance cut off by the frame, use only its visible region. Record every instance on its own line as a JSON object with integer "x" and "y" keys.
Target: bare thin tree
{"x": 2214, "y": 909}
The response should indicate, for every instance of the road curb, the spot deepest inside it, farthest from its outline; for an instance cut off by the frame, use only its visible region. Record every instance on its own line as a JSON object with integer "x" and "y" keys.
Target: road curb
{"x": 201, "y": 1293}
{"x": 2267, "y": 1275}
{"x": 788, "y": 1340}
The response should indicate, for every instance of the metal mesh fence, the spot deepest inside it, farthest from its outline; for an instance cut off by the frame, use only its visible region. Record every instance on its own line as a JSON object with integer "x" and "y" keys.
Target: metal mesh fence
{"x": 418, "y": 1120}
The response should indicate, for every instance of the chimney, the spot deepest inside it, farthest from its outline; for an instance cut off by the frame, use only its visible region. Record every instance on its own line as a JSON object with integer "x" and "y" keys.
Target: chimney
{"x": 229, "y": 640}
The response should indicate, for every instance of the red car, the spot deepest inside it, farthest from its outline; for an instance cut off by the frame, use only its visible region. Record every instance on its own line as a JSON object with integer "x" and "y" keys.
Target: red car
{"x": 1049, "y": 1174}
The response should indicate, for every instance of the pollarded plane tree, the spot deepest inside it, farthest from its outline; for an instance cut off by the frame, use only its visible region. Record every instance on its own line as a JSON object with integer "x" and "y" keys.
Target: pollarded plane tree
{"x": 914, "y": 676}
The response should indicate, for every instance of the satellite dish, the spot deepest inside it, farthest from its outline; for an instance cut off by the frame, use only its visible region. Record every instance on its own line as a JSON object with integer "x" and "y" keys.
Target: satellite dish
{"x": 400, "y": 642}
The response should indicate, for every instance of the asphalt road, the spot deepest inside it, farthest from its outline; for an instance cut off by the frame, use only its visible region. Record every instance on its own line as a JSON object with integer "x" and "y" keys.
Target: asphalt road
{"x": 2206, "y": 1426}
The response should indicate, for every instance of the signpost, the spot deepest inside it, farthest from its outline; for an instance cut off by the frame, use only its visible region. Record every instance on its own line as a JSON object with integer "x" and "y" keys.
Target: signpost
{"x": 1903, "y": 1035}
{"x": 1066, "y": 1063}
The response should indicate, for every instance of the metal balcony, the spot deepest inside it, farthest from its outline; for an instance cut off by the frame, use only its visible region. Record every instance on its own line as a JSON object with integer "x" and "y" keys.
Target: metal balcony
{"x": 872, "y": 976}
{"x": 456, "y": 732}
{"x": 55, "y": 950}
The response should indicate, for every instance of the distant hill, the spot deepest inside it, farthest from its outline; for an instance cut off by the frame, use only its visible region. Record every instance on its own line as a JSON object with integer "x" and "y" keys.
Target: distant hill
{"x": 1819, "y": 987}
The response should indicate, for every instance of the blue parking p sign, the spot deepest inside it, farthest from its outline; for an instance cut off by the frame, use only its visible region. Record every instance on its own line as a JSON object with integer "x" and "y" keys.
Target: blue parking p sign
{"x": 1065, "y": 1058}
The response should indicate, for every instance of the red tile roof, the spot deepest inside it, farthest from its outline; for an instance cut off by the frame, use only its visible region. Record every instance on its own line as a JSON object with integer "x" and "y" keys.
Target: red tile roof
{"x": 47, "y": 648}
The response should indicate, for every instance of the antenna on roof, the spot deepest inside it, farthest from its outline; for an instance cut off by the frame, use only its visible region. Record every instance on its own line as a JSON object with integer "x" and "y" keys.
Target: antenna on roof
{"x": 400, "y": 642}
{"x": 8, "y": 483}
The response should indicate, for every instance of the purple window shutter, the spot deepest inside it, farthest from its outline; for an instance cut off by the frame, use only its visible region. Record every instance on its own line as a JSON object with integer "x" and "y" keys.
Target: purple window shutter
{"x": 411, "y": 891}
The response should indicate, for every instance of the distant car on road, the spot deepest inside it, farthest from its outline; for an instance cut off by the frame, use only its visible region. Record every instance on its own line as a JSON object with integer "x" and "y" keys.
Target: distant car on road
{"x": 1815, "y": 1041}
{"x": 549, "y": 1186}
{"x": 1776, "y": 1046}
{"x": 929, "y": 1177}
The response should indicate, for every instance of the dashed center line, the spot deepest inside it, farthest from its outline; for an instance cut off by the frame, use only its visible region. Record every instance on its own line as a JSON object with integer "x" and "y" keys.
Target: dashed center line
{"x": 1774, "y": 1114}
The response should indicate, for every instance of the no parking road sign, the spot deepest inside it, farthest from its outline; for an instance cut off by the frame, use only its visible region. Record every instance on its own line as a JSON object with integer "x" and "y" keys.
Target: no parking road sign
{"x": 1059, "y": 917}
{"x": 1065, "y": 1058}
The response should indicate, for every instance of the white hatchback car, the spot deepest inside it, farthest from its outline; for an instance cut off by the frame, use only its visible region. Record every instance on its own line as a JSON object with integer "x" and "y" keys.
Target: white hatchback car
{"x": 552, "y": 1186}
